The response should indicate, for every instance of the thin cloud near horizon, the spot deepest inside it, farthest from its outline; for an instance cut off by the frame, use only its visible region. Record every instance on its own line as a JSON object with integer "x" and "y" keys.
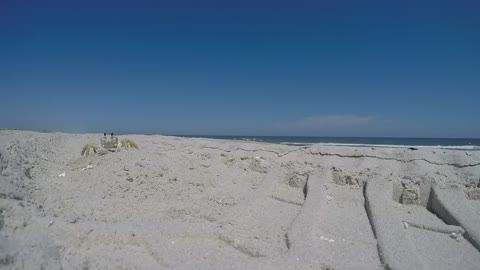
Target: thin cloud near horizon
{"x": 315, "y": 122}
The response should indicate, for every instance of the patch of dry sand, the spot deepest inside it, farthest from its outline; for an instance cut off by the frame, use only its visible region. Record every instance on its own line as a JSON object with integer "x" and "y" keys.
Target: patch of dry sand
{"x": 185, "y": 203}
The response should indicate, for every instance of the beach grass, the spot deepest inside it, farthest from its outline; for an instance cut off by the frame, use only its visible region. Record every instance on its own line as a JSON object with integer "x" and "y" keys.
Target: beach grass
{"x": 127, "y": 143}
{"x": 89, "y": 147}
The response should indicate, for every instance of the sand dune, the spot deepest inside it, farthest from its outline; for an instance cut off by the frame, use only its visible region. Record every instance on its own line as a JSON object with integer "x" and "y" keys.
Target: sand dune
{"x": 185, "y": 203}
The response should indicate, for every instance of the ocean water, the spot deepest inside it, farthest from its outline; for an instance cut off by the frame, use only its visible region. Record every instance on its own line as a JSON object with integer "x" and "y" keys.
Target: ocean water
{"x": 446, "y": 143}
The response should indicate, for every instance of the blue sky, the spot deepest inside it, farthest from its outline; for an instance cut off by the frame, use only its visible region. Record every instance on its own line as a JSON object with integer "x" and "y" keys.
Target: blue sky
{"x": 312, "y": 68}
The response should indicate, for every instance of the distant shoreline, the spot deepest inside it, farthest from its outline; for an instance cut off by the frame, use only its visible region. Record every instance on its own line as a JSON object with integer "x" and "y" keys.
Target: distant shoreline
{"x": 381, "y": 142}
{"x": 469, "y": 144}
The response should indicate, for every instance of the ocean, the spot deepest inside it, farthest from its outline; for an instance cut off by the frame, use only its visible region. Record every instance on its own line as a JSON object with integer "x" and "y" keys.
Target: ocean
{"x": 443, "y": 143}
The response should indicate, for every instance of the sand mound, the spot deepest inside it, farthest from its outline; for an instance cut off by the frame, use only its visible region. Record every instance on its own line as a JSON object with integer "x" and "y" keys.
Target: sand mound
{"x": 210, "y": 204}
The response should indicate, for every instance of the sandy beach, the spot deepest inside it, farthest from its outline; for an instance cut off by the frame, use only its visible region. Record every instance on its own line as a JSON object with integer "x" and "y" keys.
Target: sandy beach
{"x": 186, "y": 203}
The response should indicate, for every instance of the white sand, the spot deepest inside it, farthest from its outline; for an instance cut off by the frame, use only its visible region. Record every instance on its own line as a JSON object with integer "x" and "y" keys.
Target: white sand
{"x": 184, "y": 203}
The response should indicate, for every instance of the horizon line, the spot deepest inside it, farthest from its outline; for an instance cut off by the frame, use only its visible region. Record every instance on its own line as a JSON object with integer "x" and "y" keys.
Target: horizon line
{"x": 220, "y": 135}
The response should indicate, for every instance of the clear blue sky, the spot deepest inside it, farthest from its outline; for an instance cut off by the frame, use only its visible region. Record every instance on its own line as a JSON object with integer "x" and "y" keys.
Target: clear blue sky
{"x": 349, "y": 68}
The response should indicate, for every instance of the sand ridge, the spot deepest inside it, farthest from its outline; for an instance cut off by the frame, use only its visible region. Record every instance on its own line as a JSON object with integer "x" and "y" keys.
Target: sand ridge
{"x": 191, "y": 203}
